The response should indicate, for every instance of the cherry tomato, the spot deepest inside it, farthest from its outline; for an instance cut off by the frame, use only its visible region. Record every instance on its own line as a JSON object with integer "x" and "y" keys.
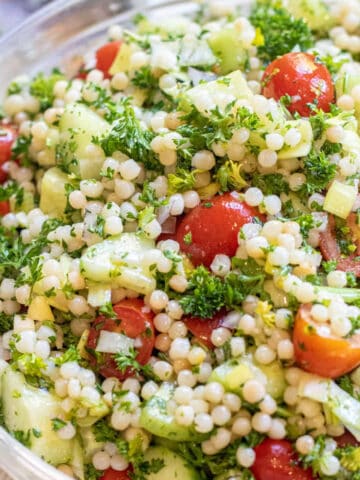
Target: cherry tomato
{"x": 111, "y": 474}
{"x": 202, "y": 328}
{"x": 4, "y": 207}
{"x": 322, "y": 353}
{"x": 300, "y": 76}
{"x": 105, "y": 57}
{"x": 213, "y": 227}
{"x": 347, "y": 439}
{"x": 276, "y": 459}
{"x": 331, "y": 251}
{"x": 132, "y": 320}
{"x": 8, "y": 135}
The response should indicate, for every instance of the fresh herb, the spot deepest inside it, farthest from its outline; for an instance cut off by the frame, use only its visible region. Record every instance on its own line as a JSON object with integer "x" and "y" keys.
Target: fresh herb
{"x": 127, "y": 361}
{"x": 104, "y": 433}
{"x": 14, "y": 88}
{"x": 182, "y": 180}
{"x": 280, "y": 30}
{"x": 107, "y": 310}
{"x": 57, "y": 424}
{"x": 22, "y": 437}
{"x": 42, "y": 88}
{"x": 270, "y": 184}
{"x": 91, "y": 473}
{"x": 188, "y": 238}
{"x": 229, "y": 176}
{"x": 148, "y": 196}
{"x": 349, "y": 457}
{"x": 6, "y": 322}
{"x": 20, "y": 150}
{"x": 347, "y": 384}
{"x": 329, "y": 266}
{"x": 145, "y": 79}
{"x": 70, "y": 355}
{"x": 319, "y": 172}
{"x": 131, "y": 138}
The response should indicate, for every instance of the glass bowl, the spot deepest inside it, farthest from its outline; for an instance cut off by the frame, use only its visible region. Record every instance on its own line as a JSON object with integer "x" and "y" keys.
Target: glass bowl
{"x": 53, "y": 37}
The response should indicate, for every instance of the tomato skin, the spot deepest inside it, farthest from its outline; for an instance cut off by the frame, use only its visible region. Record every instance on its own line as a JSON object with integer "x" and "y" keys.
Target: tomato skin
{"x": 106, "y": 55}
{"x": 8, "y": 135}
{"x": 299, "y": 75}
{"x": 4, "y": 207}
{"x": 347, "y": 439}
{"x": 276, "y": 459}
{"x": 327, "y": 356}
{"x": 135, "y": 323}
{"x": 202, "y": 328}
{"x": 214, "y": 227}
{"x": 111, "y": 474}
{"x": 331, "y": 251}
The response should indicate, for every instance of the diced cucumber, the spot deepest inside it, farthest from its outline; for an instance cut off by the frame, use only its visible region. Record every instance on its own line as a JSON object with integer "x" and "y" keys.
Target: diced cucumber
{"x": 340, "y": 199}
{"x": 53, "y": 195}
{"x": 315, "y": 13}
{"x": 234, "y": 373}
{"x": 275, "y": 377}
{"x": 347, "y": 79}
{"x": 77, "y": 461}
{"x": 227, "y": 46}
{"x": 218, "y": 93}
{"x": 3, "y": 366}
{"x": 119, "y": 261}
{"x": 30, "y": 409}
{"x": 78, "y": 125}
{"x": 99, "y": 295}
{"x": 89, "y": 443}
{"x": 174, "y": 466}
{"x": 157, "y": 420}
{"x": 40, "y": 310}
{"x": 26, "y": 205}
{"x": 122, "y": 60}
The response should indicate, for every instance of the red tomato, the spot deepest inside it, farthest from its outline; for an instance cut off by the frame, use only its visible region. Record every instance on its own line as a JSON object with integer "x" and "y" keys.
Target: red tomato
{"x": 4, "y": 207}
{"x": 111, "y": 474}
{"x": 8, "y": 135}
{"x": 323, "y": 354}
{"x": 214, "y": 227}
{"x": 202, "y": 328}
{"x": 132, "y": 320}
{"x": 331, "y": 251}
{"x": 306, "y": 81}
{"x": 276, "y": 459}
{"x": 105, "y": 57}
{"x": 347, "y": 439}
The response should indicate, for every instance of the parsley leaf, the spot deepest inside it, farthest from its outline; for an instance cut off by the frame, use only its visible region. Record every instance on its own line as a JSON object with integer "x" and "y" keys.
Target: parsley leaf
{"x": 42, "y": 88}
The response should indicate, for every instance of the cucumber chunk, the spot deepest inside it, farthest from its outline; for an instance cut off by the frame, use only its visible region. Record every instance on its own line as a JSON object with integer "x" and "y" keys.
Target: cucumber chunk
{"x": 119, "y": 261}
{"x": 89, "y": 443}
{"x": 29, "y": 409}
{"x": 78, "y": 125}
{"x": 227, "y": 46}
{"x": 174, "y": 465}
{"x": 53, "y": 194}
{"x": 218, "y": 93}
{"x": 315, "y": 13}
{"x": 157, "y": 420}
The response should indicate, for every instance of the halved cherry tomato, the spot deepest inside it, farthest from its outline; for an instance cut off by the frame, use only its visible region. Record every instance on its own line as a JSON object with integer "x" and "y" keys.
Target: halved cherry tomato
{"x": 331, "y": 251}
{"x": 202, "y": 328}
{"x": 323, "y": 353}
{"x": 133, "y": 320}
{"x": 303, "y": 78}
{"x": 213, "y": 228}
{"x": 4, "y": 207}
{"x": 111, "y": 474}
{"x": 8, "y": 135}
{"x": 276, "y": 459}
{"x": 347, "y": 439}
{"x": 106, "y": 55}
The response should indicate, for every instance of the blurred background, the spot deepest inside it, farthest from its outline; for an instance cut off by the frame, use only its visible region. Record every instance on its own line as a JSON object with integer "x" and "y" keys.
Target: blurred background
{"x": 14, "y": 11}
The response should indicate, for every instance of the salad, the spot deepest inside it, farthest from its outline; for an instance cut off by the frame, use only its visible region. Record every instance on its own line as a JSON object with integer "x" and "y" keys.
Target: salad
{"x": 180, "y": 249}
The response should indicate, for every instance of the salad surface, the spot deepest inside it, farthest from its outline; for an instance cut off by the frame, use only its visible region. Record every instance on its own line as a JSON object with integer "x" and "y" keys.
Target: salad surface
{"x": 180, "y": 249}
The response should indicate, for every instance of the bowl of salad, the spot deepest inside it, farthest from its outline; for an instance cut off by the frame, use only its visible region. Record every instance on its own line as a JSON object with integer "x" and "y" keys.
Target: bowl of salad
{"x": 179, "y": 242}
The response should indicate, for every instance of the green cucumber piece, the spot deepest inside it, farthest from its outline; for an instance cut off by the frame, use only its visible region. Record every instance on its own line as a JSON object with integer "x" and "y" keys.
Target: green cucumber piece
{"x": 53, "y": 198}
{"x": 78, "y": 125}
{"x": 29, "y": 409}
{"x": 157, "y": 420}
{"x": 174, "y": 466}
{"x": 227, "y": 46}
{"x": 315, "y": 13}
{"x": 118, "y": 261}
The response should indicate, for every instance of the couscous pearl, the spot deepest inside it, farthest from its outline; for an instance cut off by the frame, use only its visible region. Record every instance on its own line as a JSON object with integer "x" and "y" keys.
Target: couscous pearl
{"x": 274, "y": 141}
{"x": 67, "y": 432}
{"x": 261, "y": 422}
{"x": 337, "y": 279}
{"x": 219, "y": 336}
{"x": 213, "y": 392}
{"x": 319, "y": 313}
{"x": 183, "y": 395}
{"x": 245, "y": 457}
{"x": 220, "y": 415}
{"x": 253, "y": 196}
{"x": 265, "y": 355}
{"x": 253, "y": 391}
{"x": 203, "y": 423}
{"x": 203, "y": 160}
{"x": 184, "y": 415}
{"x": 346, "y": 102}
{"x": 272, "y": 204}
{"x": 118, "y": 463}
{"x": 241, "y": 426}
{"x": 101, "y": 460}
{"x": 330, "y": 465}
{"x": 221, "y": 439}
{"x": 304, "y": 444}
{"x": 285, "y": 349}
